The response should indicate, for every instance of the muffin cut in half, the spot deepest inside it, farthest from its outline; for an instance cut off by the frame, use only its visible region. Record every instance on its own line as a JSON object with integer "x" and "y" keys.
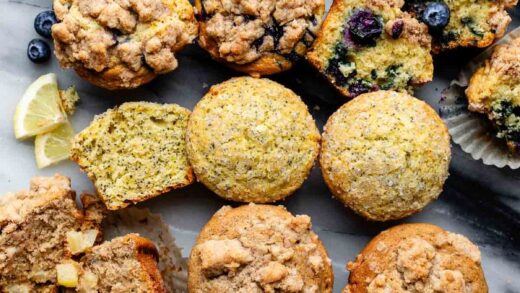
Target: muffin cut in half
{"x": 252, "y": 140}
{"x": 121, "y": 44}
{"x": 365, "y": 46}
{"x": 124, "y": 264}
{"x": 385, "y": 155}
{"x": 462, "y": 23}
{"x": 134, "y": 152}
{"x": 417, "y": 258}
{"x": 494, "y": 90}
{"x": 258, "y": 37}
{"x": 259, "y": 248}
{"x": 33, "y": 232}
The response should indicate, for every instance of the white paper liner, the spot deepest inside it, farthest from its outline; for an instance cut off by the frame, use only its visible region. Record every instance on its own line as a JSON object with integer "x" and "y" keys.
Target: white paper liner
{"x": 473, "y": 131}
{"x": 149, "y": 225}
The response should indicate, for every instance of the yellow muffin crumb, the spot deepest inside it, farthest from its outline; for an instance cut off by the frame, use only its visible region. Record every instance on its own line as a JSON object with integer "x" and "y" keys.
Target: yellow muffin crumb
{"x": 135, "y": 152}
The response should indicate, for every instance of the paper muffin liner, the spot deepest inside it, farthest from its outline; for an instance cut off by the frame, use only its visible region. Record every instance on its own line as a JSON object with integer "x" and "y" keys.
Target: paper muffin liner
{"x": 473, "y": 131}
{"x": 172, "y": 265}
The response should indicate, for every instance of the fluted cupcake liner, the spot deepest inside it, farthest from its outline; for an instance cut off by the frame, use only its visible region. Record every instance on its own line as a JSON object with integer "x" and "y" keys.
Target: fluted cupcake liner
{"x": 473, "y": 131}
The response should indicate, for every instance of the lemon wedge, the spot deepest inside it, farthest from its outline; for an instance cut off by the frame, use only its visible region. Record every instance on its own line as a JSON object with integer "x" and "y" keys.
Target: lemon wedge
{"x": 39, "y": 110}
{"x": 54, "y": 146}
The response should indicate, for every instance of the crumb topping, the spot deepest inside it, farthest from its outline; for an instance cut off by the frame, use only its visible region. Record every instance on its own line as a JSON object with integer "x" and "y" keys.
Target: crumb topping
{"x": 252, "y": 140}
{"x": 261, "y": 253}
{"x": 244, "y": 31}
{"x": 132, "y": 35}
{"x": 445, "y": 262}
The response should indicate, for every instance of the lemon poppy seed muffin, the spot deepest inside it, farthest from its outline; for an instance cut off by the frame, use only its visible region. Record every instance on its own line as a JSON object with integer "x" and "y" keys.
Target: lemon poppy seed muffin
{"x": 365, "y": 46}
{"x": 494, "y": 90}
{"x": 462, "y": 23}
{"x": 385, "y": 155}
{"x": 252, "y": 140}
{"x": 417, "y": 258}
{"x": 134, "y": 152}
{"x": 259, "y": 248}
{"x": 258, "y": 37}
{"x": 121, "y": 44}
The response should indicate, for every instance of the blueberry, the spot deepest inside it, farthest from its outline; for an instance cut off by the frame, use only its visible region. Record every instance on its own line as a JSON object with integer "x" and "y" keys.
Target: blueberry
{"x": 397, "y": 28}
{"x": 38, "y": 51}
{"x": 364, "y": 26}
{"x": 43, "y": 23}
{"x": 436, "y": 15}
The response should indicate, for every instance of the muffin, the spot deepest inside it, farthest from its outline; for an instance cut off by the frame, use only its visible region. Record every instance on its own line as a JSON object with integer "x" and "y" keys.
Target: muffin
{"x": 121, "y": 44}
{"x": 493, "y": 90}
{"x": 417, "y": 258}
{"x": 258, "y": 37}
{"x": 34, "y": 227}
{"x": 364, "y": 46}
{"x": 251, "y": 140}
{"x": 134, "y": 152}
{"x": 259, "y": 248}
{"x": 385, "y": 155}
{"x": 465, "y": 23}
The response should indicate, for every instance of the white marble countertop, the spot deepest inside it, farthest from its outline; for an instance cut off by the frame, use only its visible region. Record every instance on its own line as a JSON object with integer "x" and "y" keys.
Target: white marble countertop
{"x": 480, "y": 202}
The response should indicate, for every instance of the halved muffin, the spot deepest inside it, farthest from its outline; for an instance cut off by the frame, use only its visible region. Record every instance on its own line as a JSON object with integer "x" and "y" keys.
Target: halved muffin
{"x": 365, "y": 46}
{"x": 134, "y": 152}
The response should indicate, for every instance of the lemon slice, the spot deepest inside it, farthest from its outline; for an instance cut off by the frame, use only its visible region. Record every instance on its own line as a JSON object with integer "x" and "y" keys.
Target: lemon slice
{"x": 53, "y": 147}
{"x": 39, "y": 110}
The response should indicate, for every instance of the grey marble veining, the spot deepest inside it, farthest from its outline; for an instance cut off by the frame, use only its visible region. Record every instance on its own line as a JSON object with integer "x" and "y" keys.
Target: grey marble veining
{"x": 479, "y": 201}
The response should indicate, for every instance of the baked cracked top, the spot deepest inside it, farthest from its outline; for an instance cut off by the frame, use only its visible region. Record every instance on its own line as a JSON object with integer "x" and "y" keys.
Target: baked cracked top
{"x": 252, "y": 140}
{"x": 259, "y": 248}
{"x": 417, "y": 258}
{"x": 254, "y": 34}
{"x": 121, "y": 43}
{"x": 494, "y": 89}
{"x": 467, "y": 23}
{"x": 385, "y": 155}
{"x": 365, "y": 46}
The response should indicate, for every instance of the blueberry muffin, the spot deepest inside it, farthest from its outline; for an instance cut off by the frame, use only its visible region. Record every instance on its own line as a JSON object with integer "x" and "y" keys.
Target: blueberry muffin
{"x": 258, "y": 248}
{"x": 365, "y": 46}
{"x": 385, "y": 155}
{"x": 494, "y": 90}
{"x": 417, "y": 258}
{"x": 134, "y": 152}
{"x": 121, "y": 44}
{"x": 252, "y": 140}
{"x": 258, "y": 37}
{"x": 462, "y": 23}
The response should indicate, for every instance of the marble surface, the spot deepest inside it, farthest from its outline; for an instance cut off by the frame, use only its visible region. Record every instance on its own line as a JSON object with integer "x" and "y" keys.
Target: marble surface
{"x": 479, "y": 201}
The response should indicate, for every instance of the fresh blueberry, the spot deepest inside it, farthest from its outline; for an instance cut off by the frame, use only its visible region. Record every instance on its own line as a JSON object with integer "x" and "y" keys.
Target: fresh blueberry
{"x": 38, "y": 51}
{"x": 43, "y": 23}
{"x": 436, "y": 15}
{"x": 364, "y": 26}
{"x": 397, "y": 28}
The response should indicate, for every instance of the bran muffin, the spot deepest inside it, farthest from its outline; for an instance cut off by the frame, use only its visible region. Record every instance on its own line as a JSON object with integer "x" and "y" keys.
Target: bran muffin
{"x": 252, "y": 140}
{"x": 121, "y": 44}
{"x": 417, "y": 258}
{"x": 469, "y": 23}
{"x": 494, "y": 90}
{"x": 134, "y": 152}
{"x": 258, "y": 248}
{"x": 33, "y": 230}
{"x": 365, "y": 46}
{"x": 258, "y": 37}
{"x": 385, "y": 155}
